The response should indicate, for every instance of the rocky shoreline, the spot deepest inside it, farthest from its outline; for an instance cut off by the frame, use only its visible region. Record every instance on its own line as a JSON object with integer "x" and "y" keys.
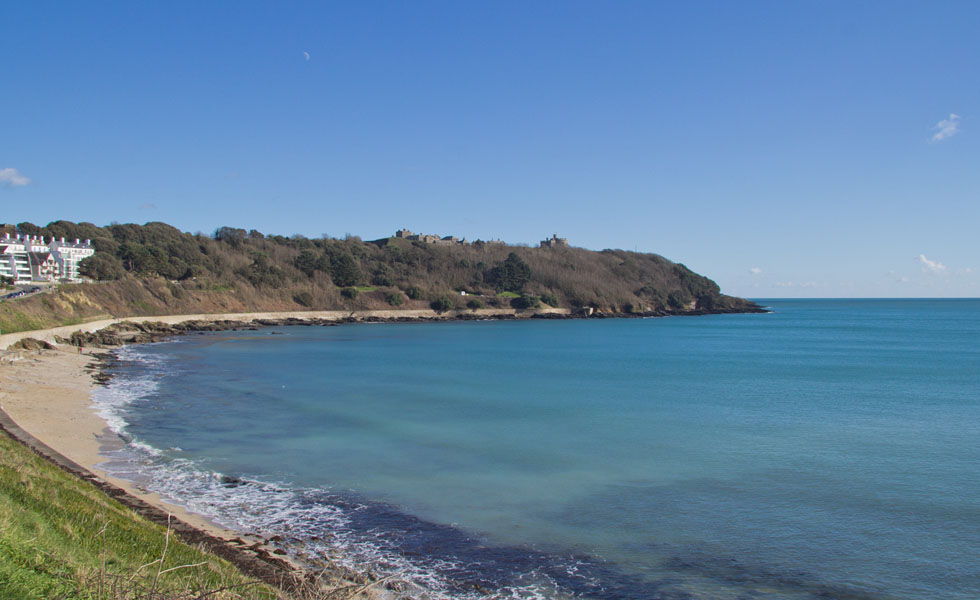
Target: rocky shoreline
{"x": 148, "y": 331}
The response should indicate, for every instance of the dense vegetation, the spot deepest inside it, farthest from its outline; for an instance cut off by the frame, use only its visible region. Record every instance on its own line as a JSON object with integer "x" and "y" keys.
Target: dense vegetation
{"x": 156, "y": 269}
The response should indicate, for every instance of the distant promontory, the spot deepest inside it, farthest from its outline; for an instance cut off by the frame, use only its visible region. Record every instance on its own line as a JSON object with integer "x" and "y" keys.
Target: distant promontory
{"x": 155, "y": 269}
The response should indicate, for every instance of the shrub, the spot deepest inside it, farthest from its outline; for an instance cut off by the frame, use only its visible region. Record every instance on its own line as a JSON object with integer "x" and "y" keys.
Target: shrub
{"x": 442, "y": 304}
{"x": 550, "y": 299}
{"x": 304, "y": 299}
{"x": 525, "y": 301}
{"x": 414, "y": 292}
{"x": 350, "y": 293}
{"x": 395, "y": 299}
{"x": 474, "y": 304}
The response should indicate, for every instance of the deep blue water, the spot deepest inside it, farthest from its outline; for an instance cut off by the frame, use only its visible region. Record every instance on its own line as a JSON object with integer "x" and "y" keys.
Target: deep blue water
{"x": 830, "y": 449}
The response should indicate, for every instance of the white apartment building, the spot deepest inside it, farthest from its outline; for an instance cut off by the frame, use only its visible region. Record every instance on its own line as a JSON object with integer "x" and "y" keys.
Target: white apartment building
{"x": 28, "y": 258}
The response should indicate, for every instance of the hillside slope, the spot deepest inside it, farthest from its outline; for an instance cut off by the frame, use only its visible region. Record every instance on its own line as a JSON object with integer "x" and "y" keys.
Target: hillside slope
{"x": 155, "y": 269}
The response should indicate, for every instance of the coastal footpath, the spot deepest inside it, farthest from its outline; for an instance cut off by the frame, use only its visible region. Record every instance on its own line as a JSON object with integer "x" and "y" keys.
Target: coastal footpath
{"x": 58, "y": 334}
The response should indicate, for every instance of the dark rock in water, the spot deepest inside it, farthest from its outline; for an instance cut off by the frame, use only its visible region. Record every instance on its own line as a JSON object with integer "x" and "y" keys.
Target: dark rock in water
{"x": 232, "y": 482}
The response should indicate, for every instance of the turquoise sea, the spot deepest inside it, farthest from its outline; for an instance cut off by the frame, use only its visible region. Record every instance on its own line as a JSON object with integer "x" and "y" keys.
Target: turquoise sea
{"x": 829, "y": 449}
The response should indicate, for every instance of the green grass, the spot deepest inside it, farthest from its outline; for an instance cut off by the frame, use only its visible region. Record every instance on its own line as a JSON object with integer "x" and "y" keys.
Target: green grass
{"x": 508, "y": 295}
{"x": 60, "y": 536}
{"x": 12, "y": 321}
{"x": 366, "y": 288}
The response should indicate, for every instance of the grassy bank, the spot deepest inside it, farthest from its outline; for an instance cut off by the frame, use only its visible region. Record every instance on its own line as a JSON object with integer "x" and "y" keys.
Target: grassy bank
{"x": 60, "y": 537}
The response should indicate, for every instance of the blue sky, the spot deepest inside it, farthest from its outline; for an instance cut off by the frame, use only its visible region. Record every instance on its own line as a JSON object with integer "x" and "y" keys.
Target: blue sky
{"x": 782, "y": 148}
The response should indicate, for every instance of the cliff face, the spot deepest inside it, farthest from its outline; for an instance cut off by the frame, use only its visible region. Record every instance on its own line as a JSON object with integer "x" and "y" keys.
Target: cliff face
{"x": 155, "y": 269}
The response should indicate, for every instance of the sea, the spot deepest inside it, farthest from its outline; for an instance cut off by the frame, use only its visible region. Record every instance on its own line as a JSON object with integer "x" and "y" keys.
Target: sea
{"x": 829, "y": 449}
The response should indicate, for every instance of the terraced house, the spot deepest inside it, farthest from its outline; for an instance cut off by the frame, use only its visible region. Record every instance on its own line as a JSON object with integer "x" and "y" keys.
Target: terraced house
{"x": 30, "y": 258}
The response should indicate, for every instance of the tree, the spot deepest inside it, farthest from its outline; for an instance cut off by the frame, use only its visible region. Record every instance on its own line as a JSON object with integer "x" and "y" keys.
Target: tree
{"x": 381, "y": 276}
{"x": 442, "y": 304}
{"x": 344, "y": 270}
{"x": 28, "y": 228}
{"x": 511, "y": 275}
{"x": 101, "y": 267}
{"x": 307, "y": 262}
{"x": 230, "y": 235}
{"x": 263, "y": 273}
{"x": 414, "y": 292}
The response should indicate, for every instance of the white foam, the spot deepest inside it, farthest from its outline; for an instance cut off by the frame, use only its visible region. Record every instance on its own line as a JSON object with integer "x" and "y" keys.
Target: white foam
{"x": 110, "y": 401}
{"x": 301, "y": 516}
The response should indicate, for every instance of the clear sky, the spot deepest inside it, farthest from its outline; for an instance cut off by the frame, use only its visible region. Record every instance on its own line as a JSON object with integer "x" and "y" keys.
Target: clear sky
{"x": 781, "y": 148}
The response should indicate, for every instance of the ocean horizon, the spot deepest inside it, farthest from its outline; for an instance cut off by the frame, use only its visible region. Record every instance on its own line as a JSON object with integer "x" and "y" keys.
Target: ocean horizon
{"x": 824, "y": 450}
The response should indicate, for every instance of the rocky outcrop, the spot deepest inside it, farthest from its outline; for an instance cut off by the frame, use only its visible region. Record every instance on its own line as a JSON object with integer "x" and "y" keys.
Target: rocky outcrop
{"x": 31, "y": 344}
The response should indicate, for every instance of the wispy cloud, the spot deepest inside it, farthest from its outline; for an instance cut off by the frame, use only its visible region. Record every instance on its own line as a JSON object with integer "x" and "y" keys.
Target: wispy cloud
{"x": 10, "y": 177}
{"x": 148, "y": 206}
{"x": 931, "y": 266}
{"x": 306, "y": 55}
{"x": 947, "y": 128}
{"x": 755, "y": 271}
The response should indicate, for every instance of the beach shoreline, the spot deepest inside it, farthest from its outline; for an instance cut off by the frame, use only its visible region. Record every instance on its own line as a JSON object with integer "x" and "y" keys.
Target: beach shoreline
{"x": 46, "y": 404}
{"x": 47, "y": 378}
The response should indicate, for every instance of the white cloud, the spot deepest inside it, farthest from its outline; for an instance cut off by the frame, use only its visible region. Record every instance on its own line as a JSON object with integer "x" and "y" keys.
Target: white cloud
{"x": 931, "y": 266}
{"x": 148, "y": 206}
{"x": 947, "y": 128}
{"x": 755, "y": 271}
{"x": 12, "y": 178}
{"x": 306, "y": 55}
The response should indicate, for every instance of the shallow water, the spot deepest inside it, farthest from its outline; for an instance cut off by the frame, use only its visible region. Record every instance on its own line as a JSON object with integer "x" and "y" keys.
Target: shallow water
{"x": 828, "y": 449}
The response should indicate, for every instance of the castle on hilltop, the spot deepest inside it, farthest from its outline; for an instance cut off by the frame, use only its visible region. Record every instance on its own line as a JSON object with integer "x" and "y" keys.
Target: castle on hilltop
{"x": 555, "y": 242}
{"x": 451, "y": 240}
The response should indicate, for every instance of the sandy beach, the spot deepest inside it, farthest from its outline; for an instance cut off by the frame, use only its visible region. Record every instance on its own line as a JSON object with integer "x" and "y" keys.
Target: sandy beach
{"x": 48, "y": 394}
{"x": 45, "y": 402}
